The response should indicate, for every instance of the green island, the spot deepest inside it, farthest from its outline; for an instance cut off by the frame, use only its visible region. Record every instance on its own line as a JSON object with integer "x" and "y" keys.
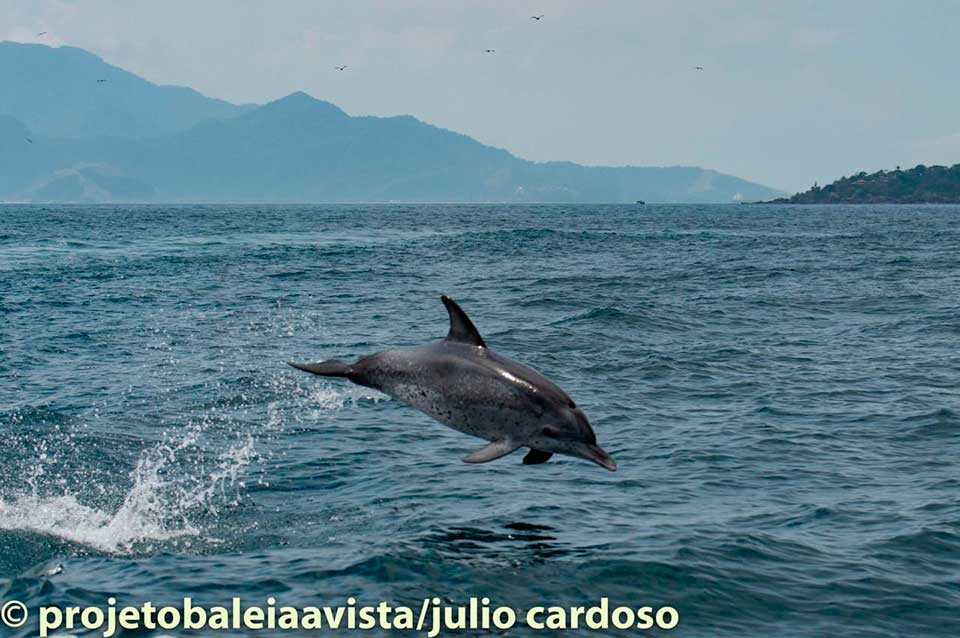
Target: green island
{"x": 918, "y": 185}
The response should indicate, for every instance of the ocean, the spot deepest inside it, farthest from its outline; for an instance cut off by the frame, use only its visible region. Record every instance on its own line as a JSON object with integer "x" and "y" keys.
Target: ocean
{"x": 779, "y": 386}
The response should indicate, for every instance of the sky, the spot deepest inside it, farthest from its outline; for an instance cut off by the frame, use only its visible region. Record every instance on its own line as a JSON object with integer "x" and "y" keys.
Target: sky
{"x": 790, "y": 93}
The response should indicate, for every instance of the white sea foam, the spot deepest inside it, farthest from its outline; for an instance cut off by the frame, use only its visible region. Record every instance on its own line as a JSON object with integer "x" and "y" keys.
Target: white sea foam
{"x": 65, "y": 517}
{"x": 156, "y": 508}
{"x": 177, "y": 488}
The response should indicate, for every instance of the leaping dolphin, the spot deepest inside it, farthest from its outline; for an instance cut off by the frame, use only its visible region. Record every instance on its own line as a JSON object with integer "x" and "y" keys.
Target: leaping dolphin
{"x": 463, "y": 384}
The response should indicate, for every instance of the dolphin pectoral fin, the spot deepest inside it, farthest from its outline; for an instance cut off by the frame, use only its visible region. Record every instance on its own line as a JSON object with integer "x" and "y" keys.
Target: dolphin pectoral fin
{"x": 461, "y": 328}
{"x": 536, "y": 457}
{"x": 491, "y": 452}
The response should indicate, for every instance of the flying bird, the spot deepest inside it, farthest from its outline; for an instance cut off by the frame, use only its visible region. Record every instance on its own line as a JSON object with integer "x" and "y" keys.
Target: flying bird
{"x": 539, "y": 17}
{"x": 489, "y": 50}
{"x": 698, "y": 68}
{"x": 340, "y": 68}
{"x": 28, "y": 139}
{"x": 101, "y": 80}
{"x": 41, "y": 33}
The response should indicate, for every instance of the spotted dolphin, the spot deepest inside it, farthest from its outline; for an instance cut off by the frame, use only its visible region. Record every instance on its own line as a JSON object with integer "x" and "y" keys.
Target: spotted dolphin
{"x": 465, "y": 385}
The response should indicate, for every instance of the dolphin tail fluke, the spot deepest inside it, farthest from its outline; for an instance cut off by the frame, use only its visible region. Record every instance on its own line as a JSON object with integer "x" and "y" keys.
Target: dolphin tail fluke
{"x": 331, "y": 368}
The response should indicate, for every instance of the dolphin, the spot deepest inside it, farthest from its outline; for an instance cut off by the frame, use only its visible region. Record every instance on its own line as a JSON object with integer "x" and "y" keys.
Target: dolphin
{"x": 463, "y": 384}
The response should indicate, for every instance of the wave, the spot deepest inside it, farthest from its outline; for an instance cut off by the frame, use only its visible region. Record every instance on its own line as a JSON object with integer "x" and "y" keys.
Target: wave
{"x": 635, "y": 319}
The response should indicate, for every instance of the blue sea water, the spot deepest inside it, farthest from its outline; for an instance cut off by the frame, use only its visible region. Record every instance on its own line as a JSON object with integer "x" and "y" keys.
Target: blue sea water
{"x": 779, "y": 386}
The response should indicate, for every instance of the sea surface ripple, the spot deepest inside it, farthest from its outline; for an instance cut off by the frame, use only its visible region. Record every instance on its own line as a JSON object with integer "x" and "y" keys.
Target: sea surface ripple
{"x": 779, "y": 385}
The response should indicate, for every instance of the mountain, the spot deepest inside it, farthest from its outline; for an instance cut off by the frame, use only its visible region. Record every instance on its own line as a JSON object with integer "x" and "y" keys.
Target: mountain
{"x": 918, "y": 185}
{"x": 296, "y": 149}
{"x": 57, "y": 92}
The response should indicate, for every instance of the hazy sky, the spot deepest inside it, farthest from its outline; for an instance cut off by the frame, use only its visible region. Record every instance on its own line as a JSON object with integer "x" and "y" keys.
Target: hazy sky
{"x": 791, "y": 92}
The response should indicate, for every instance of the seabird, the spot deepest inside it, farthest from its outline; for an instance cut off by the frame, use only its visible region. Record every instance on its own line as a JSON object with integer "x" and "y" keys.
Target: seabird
{"x": 539, "y": 17}
{"x": 28, "y": 139}
{"x": 698, "y": 68}
{"x": 41, "y": 33}
{"x": 340, "y": 68}
{"x": 101, "y": 80}
{"x": 489, "y": 50}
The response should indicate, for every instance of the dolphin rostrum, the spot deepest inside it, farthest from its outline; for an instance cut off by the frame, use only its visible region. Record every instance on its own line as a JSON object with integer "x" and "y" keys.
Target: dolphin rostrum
{"x": 463, "y": 384}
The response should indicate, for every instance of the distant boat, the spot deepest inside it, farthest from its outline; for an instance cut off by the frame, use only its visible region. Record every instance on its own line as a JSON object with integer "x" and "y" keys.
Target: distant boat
{"x": 641, "y": 202}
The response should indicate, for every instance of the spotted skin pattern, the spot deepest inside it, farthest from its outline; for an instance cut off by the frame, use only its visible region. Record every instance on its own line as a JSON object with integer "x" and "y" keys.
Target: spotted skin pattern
{"x": 463, "y": 384}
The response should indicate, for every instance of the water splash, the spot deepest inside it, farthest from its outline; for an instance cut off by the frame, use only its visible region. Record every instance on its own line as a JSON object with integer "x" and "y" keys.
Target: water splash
{"x": 322, "y": 399}
{"x": 177, "y": 489}
{"x": 168, "y": 487}
{"x": 66, "y": 518}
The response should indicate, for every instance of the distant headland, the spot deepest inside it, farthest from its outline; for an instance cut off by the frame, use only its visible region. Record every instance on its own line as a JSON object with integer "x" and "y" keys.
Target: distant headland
{"x": 918, "y": 185}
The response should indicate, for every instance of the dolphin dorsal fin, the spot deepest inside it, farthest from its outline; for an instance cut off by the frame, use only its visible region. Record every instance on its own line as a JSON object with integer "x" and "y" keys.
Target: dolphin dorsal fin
{"x": 461, "y": 328}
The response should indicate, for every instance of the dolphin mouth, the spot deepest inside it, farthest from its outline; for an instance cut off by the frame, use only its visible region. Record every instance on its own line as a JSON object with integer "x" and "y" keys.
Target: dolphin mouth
{"x": 599, "y": 456}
